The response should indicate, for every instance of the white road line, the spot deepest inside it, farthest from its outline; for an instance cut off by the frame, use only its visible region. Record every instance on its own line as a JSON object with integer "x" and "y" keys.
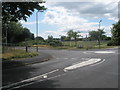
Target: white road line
{"x": 65, "y": 58}
{"x": 87, "y": 52}
{"x": 73, "y": 58}
{"x": 98, "y": 63}
{"x": 100, "y": 52}
{"x": 39, "y": 81}
{"x": 31, "y": 79}
{"x": 82, "y": 64}
{"x": 104, "y": 52}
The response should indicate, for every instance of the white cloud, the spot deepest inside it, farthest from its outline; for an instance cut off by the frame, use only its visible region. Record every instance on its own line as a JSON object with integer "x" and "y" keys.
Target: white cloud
{"x": 66, "y": 20}
{"x": 92, "y": 9}
{"x": 76, "y": 15}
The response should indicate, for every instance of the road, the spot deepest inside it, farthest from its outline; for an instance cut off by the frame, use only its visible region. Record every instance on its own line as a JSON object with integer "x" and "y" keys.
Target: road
{"x": 66, "y": 70}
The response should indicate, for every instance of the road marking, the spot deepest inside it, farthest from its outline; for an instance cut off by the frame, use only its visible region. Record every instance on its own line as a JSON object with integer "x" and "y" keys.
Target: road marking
{"x": 30, "y": 79}
{"x": 73, "y": 58}
{"x": 65, "y": 58}
{"x": 87, "y": 52}
{"x": 39, "y": 81}
{"x": 98, "y": 63}
{"x": 104, "y": 52}
{"x": 82, "y": 64}
{"x": 45, "y": 76}
{"x": 85, "y": 59}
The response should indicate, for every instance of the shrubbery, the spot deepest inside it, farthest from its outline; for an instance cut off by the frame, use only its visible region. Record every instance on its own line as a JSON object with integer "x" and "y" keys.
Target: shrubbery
{"x": 55, "y": 43}
{"x": 112, "y": 43}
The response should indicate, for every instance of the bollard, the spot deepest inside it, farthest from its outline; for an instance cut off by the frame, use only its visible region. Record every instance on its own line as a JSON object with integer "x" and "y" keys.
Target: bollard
{"x": 26, "y": 49}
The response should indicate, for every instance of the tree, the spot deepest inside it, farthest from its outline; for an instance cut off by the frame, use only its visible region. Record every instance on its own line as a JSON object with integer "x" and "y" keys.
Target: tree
{"x": 16, "y": 33}
{"x": 97, "y": 35}
{"x": 116, "y": 33}
{"x": 26, "y": 35}
{"x": 101, "y": 34}
{"x": 50, "y": 38}
{"x": 63, "y": 38}
{"x": 40, "y": 38}
{"x": 73, "y": 34}
{"x": 70, "y": 34}
{"x": 15, "y": 11}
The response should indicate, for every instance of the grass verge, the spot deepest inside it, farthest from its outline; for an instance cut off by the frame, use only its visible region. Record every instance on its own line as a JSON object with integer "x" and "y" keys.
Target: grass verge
{"x": 18, "y": 54}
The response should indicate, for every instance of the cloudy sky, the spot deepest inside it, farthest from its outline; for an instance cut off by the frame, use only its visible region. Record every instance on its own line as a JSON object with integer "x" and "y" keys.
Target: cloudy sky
{"x": 81, "y": 16}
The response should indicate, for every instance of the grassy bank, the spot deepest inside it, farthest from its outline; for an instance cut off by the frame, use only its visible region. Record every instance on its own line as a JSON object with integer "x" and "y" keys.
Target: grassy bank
{"x": 17, "y": 54}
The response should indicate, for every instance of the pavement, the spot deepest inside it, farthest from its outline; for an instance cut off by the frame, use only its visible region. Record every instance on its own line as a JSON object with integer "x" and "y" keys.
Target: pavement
{"x": 53, "y": 74}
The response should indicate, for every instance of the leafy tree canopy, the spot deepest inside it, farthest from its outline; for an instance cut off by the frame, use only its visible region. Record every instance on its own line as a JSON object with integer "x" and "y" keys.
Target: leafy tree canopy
{"x": 16, "y": 33}
{"x": 73, "y": 34}
{"x": 14, "y": 11}
{"x": 115, "y": 30}
{"x": 97, "y": 35}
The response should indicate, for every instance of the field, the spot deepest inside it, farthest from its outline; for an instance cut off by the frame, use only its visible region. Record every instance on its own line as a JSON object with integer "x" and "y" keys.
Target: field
{"x": 79, "y": 45}
{"x": 86, "y": 44}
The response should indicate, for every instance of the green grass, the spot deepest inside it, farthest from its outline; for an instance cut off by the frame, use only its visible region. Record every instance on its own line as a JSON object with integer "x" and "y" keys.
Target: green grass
{"x": 17, "y": 54}
{"x": 85, "y": 44}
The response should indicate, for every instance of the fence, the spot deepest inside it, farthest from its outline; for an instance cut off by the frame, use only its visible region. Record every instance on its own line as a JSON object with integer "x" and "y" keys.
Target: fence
{"x": 9, "y": 47}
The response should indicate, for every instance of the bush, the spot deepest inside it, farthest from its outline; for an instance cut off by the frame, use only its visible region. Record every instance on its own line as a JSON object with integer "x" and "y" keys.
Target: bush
{"x": 112, "y": 43}
{"x": 55, "y": 43}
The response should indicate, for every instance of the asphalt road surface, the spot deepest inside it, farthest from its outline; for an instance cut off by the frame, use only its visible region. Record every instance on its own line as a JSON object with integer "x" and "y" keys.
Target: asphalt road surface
{"x": 67, "y": 69}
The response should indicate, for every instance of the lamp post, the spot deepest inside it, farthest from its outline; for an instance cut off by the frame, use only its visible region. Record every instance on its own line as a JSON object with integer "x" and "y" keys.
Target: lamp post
{"x": 99, "y": 33}
{"x": 6, "y": 34}
{"x": 7, "y": 27}
{"x": 37, "y": 29}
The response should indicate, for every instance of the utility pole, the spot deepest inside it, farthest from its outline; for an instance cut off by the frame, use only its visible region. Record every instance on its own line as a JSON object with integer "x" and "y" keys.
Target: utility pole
{"x": 99, "y": 33}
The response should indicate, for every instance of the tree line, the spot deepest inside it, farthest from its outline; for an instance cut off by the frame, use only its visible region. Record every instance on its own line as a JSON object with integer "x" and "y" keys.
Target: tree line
{"x": 14, "y": 32}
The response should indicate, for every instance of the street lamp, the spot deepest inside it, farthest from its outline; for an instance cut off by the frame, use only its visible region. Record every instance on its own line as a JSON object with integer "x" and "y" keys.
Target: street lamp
{"x": 99, "y": 23}
{"x": 99, "y": 33}
{"x": 60, "y": 38}
{"x": 7, "y": 27}
{"x": 37, "y": 29}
